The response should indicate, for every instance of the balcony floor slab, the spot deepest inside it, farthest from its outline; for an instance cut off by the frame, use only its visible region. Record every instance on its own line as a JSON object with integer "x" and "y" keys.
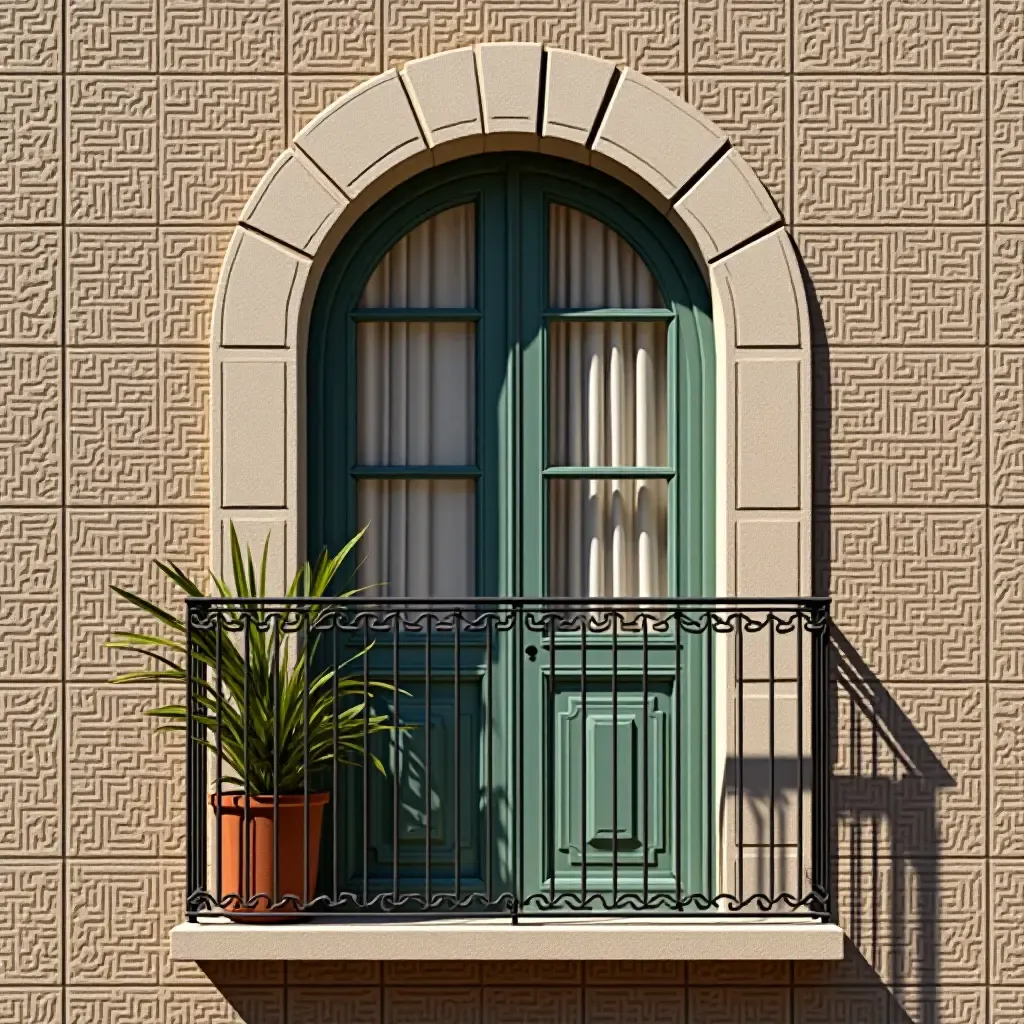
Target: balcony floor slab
{"x": 532, "y": 939}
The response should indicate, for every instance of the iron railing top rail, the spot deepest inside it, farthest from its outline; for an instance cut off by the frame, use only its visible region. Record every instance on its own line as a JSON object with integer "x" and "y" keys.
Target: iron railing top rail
{"x": 751, "y": 603}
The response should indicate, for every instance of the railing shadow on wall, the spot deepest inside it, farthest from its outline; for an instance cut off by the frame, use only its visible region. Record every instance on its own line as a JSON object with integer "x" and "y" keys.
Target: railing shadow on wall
{"x": 886, "y": 784}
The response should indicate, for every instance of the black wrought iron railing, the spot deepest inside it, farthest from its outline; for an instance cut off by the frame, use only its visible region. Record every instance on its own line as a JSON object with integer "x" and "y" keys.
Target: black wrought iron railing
{"x": 507, "y": 757}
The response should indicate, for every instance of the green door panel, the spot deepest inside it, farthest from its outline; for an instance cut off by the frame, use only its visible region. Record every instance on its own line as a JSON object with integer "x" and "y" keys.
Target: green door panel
{"x": 606, "y": 781}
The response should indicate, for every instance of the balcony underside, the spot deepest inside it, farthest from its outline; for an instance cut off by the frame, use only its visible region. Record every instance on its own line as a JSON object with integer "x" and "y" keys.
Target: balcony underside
{"x": 475, "y": 939}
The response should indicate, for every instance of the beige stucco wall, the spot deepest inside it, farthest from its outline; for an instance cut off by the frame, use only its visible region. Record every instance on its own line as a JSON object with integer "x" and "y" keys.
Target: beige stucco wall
{"x": 892, "y": 134}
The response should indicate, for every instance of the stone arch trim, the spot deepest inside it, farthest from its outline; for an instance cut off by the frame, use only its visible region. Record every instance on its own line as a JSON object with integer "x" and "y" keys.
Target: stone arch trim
{"x": 511, "y": 96}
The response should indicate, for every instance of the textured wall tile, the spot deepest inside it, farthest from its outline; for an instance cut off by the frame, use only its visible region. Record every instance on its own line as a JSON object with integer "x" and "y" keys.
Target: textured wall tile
{"x": 112, "y": 36}
{"x": 326, "y": 972}
{"x": 738, "y": 972}
{"x": 30, "y": 424}
{"x": 30, "y": 771}
{"x": 30, "y": 1005}
{"x": 30, "y": 288}
{"x": 1007, "y": 770}
{"x": 239, "y": 36}
{"x": 1006, "y": 934}
{"x": 547, "y": 1005}
{"x": 30, "y": 921}
{"x": 1006, "y": 196}
{"x": 308, "y": 96}
{"x": 1006, "y": 1005}
{"x": 30, "y": 38}
{"x": 898, "y": 150}
{"x": 219, "y": 136}
{"x": 30, "y": 139}
{"x": 942, "y": 812}
{"x": 834, "y": 1004}
{"x": 113, "y": 426}
{"x": 1007, "y": 595}
{"x": 1006, "y": 382}
{"x": 437, "y": 1005}
{"x": 739, "y": 35}
{"x": 190, "y": 263}
{"x": 885, "y": 36}
{"x": 126, "y": 779}
{"x": 629, "y": 972}
{"x": 754, "y": 113}
{"x": 930, "y": 1005}
{"x": 184, "y": 477}
{"x": 905, "y": 427}
{"x": 943, "y": 912}
{"x": 335, "y": 38}
{"x": 112, "y": 150}
{"x": 719, "y": 1005}
{"x": 323, "y": 1005}
{"x": 635, "y": 1004}
{"x": 428, "y": 26}
{"x": 119, "y": 916}
{"x": 118, "y": 547}
{"x": 30, "y": 595}
{"x": 532, "y": 972}
{"x": 113, "y": 292}
{"x": 897, "y": 286}
{"x": 1006, "y": 258}
{"x": 646, "y": 35}
{"x": 1006, "y": 31}
{"x": 431, "y": 972}
{"x": 908, "y": 590}
{"x": 244, "y": 973}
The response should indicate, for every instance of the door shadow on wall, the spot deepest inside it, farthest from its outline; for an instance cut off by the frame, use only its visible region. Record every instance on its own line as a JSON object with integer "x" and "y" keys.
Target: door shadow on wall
{"x": 887, "y": 783}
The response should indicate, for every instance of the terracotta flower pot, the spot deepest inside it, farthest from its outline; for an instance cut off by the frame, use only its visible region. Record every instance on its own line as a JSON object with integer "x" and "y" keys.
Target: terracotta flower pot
{"x": 230, "y": 813}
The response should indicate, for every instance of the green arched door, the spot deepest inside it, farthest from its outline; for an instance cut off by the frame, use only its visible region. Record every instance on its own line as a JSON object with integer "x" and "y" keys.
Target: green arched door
{"x": 510, "y": 379}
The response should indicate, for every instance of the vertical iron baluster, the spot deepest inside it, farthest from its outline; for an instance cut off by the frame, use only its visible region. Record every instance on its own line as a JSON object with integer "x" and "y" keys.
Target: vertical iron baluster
{"x": 826, "y": 761}
{"x": 191, "y": 856}
{"x": 396, "y": 762}
{"x": 245, "y": 894}
{"x": 771, "y": 756}
{"x": 219, "y": 744}
{"x": 615, "y": 756}
{"x": 335, "y": 795}
{"x": 426, "y": 767}
{"x": 645, "y": 768}
{"x": 275, "y": 682}
{"x": 458, "y": 744}
{"x": 549, "y": 796}
{"x": 709, "y": 768}
{"x": 677, "y": 698}
{"x": 740, "y": 795}
{"x": 520, "y": 787}
{"x": 583, "y": 756}
{"x": 304, "y": 626}
{"x": 366, "y": 757}
{"x": 489, "y": 740}
{"x": 800, "y": 752}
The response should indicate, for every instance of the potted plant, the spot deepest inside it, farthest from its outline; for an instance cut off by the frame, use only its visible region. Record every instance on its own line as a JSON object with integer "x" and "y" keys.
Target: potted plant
{"x": 245, "y": 790}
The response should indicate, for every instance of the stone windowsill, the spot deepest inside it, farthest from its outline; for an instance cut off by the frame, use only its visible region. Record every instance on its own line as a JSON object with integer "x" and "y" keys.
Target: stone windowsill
{"x": 476, "y": 939}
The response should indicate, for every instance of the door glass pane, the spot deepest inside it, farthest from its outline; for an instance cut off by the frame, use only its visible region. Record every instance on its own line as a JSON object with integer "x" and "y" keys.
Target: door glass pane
{"x": 607, "y": 394}
{"x": 416, "y": 388}
{"x": 607, "y": 538}
{"x": 433, "y": 265}
{"x": 593, "y": 266}
{"x": 421, "y": 541}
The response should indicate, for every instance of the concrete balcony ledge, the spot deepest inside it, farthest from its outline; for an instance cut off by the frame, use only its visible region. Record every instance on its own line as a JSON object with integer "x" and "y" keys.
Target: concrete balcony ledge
{"x": 476, "y": 939}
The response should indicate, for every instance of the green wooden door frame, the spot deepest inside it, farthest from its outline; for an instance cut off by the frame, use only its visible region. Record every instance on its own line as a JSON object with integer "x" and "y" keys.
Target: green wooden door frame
{"x": 511, "y": 194}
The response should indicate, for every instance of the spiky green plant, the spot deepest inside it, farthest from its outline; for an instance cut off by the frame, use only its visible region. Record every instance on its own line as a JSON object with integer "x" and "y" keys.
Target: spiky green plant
{"x": 277, "y": 660}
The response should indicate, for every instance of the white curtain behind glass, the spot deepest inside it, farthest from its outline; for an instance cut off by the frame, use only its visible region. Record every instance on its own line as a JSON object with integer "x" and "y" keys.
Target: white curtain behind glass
{"x": 607, "y": 407}
{"x": 416, "y": 408}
